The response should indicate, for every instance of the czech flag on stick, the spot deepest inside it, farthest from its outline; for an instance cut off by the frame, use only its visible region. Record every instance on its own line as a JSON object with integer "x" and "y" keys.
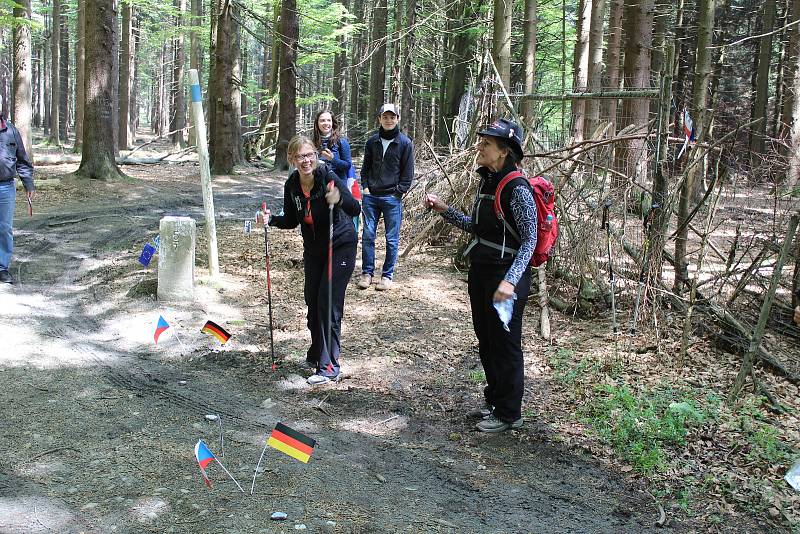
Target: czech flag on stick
{"x": 204, "y": 457}
{"x": 291, "y": 442}
{"x": 217, "y": 331}
{"x": 160, "y": 327}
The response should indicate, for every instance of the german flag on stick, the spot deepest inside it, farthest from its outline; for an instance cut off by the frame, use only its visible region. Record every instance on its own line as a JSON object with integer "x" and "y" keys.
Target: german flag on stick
{"x": 291, "y": 442}
{"x": 217, "y": 331}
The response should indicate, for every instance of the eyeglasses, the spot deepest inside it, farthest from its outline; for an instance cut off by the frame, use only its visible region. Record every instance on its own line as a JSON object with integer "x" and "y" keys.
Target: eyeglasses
{"x": 306, "y": 157}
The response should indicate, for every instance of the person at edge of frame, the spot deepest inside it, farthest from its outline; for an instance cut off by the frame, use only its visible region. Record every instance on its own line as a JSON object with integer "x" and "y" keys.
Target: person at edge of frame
{"x": 386, "y": 175}
{"x": 307, "y": 194}
{"x": 498, "y": 271}
{"x": 14, "y": 163}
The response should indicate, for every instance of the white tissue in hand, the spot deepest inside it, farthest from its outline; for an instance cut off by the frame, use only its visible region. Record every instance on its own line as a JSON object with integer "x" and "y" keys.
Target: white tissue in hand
{"x": 505, "y": 309}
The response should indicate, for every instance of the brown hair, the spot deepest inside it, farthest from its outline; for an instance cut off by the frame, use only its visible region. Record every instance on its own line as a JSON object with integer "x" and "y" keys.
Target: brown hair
{"x": 334, "y": 138}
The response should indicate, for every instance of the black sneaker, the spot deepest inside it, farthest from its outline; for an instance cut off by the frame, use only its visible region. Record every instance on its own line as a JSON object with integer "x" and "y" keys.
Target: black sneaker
{"x": 5, "y": 277}
{"x": 481, "y": 412}
{"x": 493, "y": 425}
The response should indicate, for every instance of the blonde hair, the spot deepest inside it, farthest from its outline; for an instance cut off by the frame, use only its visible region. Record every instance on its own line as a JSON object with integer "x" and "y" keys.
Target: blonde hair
{"x": 297, "y": 142}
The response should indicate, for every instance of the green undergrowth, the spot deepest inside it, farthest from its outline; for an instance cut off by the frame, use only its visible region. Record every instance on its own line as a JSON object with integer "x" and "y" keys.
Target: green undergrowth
{"x": 649, "y": 423}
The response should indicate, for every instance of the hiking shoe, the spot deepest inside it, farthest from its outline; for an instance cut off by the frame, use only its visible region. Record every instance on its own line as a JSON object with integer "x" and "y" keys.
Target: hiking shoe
{"x": 5, "y": 277}
{"x": 493, "y": 425}
{"x": 318, "y": 380}
{"x": 481, "y": 412}
{"x": 384, "y": 284}
{"x": 364, "y": 281}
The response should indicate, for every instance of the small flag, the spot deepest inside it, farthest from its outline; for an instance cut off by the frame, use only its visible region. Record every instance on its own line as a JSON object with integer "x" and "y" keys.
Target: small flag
{"x": 217, "y": 331}
{"x": 291, "y": 442}
{"x": 204, "y": 457}
{"x": 147, "y": 254}
{"x": 160, "y": 327}
{"x": 688, "y": 129}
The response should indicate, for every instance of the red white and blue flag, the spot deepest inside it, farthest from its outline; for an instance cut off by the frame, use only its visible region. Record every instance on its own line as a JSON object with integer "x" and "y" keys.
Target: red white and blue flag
{"x": 688, "y": 129}
{"x": 204, "y": 457}
{"x": 160, "y": 327}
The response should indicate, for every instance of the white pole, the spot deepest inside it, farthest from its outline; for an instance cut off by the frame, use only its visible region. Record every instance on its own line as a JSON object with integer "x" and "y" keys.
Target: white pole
{"x": 253, "y": 485}
{"x": 205, "y": 172}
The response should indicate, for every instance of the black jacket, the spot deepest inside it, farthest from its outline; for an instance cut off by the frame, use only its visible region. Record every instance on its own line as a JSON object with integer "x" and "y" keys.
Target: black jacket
{"x": 315, "y": 238}
{"x": 13, "y": 158}
{"x": 390, "y": 173}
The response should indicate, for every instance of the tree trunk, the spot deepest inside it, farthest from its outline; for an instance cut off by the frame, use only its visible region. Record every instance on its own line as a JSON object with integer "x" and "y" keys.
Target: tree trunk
{"x": 501, "y": 40}
{"x": 287, "y": 114}
{"x": 338, "y": 106}
{"x": 702, "y": 77}
{"x": 613, "y": 57}
{"x": 377, "y": 71}
{"x": 125, "y": 74}
{"x": 97, "y": 158}
{"x": 21, "y": 83}
{"x": 580, "y": 68}
{"x": 178, "y": 122}
{"x": 595, "y": 65}
{"x": 792, "y": 53}
{"x": 638, "y": 44}
{"x": 55, "y": 71}
{"x": 133, "y": 105}
{"x": 759, "y": 129}
{"x": 530, "y": 28}
{"x": 80, "y": 74}
{"x": 63, "y": 77}
{"x": 407, "y": 79}
{"x": 225, "y": 145}
{"x": 194, "y": 54}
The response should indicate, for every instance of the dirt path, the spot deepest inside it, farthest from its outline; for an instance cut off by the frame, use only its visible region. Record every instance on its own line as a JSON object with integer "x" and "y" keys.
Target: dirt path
{"x": 99, "y": 424}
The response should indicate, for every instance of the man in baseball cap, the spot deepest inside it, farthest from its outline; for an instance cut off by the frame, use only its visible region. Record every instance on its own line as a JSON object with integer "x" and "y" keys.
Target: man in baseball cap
{"x": 510, "y": 132}
{"x": 386, "y": 175}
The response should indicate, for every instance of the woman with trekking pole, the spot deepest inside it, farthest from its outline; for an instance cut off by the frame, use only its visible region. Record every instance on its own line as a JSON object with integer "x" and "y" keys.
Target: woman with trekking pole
{"x": 499, "y": 273}
{"x": 315, "y": 198}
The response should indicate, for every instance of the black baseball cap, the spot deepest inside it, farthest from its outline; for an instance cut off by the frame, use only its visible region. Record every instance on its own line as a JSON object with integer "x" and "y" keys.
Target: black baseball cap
{"x": 508, "y": 130}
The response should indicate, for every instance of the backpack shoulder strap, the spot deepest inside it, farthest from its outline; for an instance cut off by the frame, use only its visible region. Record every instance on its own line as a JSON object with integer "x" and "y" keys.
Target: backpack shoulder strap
{"x": 498, "y": 209}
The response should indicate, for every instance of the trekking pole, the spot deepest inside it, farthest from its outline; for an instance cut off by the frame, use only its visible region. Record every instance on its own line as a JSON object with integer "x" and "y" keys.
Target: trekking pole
{"x": 611, "y": 278}
{"x": 330, "y": 278}
{"x": 643, "y": 270}
{"x": 265, "y": 214}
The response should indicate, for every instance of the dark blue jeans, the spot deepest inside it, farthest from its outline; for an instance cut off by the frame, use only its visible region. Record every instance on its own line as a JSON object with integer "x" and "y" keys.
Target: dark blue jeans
{"x": 8, "y": 199}
{"x": 372, "y": 206}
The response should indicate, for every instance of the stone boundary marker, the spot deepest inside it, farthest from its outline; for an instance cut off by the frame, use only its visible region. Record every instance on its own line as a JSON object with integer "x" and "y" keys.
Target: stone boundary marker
{"x": 176, "y": 253}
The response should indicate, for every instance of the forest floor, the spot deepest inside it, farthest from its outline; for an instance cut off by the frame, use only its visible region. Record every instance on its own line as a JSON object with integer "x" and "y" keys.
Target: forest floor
{"x": 99, "y": 423}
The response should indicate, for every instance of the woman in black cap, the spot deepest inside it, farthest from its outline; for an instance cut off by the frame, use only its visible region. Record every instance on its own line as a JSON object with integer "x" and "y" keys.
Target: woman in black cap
{"x": 499, "y": 256}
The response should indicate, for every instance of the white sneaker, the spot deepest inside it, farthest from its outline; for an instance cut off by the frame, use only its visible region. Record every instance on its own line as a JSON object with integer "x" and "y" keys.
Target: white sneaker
{"x": 384, "y": 284}
{"x": 318, "y": 380}
{"x": 364, "y": 281}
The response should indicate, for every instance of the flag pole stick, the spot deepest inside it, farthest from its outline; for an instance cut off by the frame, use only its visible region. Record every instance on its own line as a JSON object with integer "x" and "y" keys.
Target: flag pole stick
{"x": 221, "y": 437}
{"x": 330, "y": 279}
{"x": 230, "y": 475}
{"x": 180, "y": 340}
{"x": 255, "y": 472}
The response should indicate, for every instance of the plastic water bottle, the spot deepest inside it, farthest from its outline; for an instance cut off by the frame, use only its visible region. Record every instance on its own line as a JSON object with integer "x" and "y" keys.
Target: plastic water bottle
{"x": 548, "y": 223}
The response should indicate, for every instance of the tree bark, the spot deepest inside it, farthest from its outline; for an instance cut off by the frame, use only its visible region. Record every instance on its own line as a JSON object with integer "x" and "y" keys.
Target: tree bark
{"x": 635, "y": 111}
{"x": 377, "y": 67}
{"x": 63, "y": 77}
{"x": 501, "y": 40}
{"x": 21, "y": 82}
{"x": 407, "y": 79}
{"x": 80, "y": 74}
{"x": 97, "y": 158}
{"x": 702, "y": 77}
{"x": 287, "y": 115}
{"x": 613, "y": 57}
{"x": 125, "y": 74}
{"x": 595, "y": 65}
{"x": 55, "y": 71}
{"x": 529, "y": 32}
{"x": 580, "y": 68}
{"x": 759, "y": 129}
{"x": 178, "y": 122}
{"x": 226, "y": 145}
